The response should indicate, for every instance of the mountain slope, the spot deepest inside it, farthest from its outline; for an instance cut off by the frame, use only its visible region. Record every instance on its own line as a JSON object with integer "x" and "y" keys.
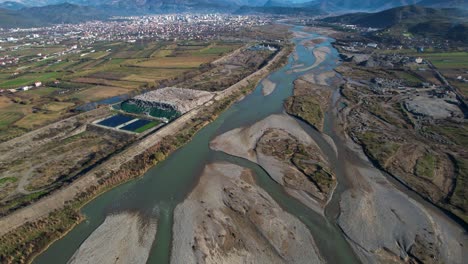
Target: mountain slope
{"x": 54, "y": 14}
{"x": 423, "y": 21}
{"x": 344, "y": 5}
{"x": 394, "y": 16}
{"x": 12, "y": 5}
{"x": 445, "y": 3}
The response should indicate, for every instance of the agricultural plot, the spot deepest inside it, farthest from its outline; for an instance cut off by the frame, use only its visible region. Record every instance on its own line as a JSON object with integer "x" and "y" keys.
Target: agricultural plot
{"x": 91, "y": 74}
{"x": 449, "y": 60}
{"x": 409, "y": 78}
{"x": 452, "y": 65}
{"x": 28, "y": 79}
{"x": 8, "y": 118}
{"x": 99, "y": 92}
{"x": 175, "y": 62}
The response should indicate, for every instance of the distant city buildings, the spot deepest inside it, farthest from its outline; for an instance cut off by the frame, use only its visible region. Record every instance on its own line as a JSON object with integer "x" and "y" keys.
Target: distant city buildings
{"x": 130, "y": 29}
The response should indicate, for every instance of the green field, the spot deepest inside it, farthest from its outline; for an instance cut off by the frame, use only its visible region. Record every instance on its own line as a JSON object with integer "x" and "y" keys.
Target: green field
{"x": 29, "y": 79}
{"x": 215, "y": 50}
{"x": 9, "y": 118}
{"x": 448, "y": 60}
{"x": 147, "y": 126}
{"x": 409, "y": 78}
{"x": 43, "y": 91}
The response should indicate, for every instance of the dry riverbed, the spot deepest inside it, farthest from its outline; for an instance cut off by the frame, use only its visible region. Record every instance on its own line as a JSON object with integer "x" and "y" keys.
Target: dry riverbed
{"x": 228, "y": 219}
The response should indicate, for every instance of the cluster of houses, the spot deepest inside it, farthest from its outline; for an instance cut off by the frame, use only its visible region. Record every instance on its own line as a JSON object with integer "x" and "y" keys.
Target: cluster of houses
{"x": 8, "y": 60}
{"x": 23, "y": 88}
{"x": 462, "y": 79}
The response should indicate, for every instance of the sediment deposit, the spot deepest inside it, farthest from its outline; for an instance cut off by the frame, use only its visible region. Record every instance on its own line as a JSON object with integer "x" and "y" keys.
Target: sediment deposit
{"x": 287, "y": 153}
{"x": 385, "y": 225}
{"x": 268, "y": 87}
{"x": 227, "y": 218}
{"x": 122, "y": 238}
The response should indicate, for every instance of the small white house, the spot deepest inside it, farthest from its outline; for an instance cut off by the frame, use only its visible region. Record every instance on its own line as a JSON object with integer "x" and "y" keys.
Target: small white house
{"x": 38, "y": 84}
{"x": 372, "y": 45}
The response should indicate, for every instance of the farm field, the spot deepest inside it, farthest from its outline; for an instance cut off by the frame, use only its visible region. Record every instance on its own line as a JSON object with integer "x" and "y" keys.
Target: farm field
{"x": 72, "y": 77}
{"x": 452, "y": 65}
{"x": 449, "y": 60}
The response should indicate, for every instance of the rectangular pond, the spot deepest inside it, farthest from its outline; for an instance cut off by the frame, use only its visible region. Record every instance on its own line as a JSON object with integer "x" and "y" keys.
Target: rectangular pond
{"x": 115, "y": 121}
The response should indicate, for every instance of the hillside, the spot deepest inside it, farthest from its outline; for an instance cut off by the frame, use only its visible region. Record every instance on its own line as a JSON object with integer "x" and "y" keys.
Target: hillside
{"x": 445, "y": 3}
{"x": 54, "y": 14}
{"x": 11, "y": 5}
{"x": 418, "y": 20}
{"x": 369, "y": 5}
{"x": 280, "y": 10}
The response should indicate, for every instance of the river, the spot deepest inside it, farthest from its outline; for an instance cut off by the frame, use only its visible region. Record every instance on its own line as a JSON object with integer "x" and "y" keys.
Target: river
{"x": 167, "y": 184}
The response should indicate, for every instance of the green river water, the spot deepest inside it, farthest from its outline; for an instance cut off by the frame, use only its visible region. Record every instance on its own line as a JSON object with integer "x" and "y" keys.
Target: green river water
{"x": 167, "y": 184}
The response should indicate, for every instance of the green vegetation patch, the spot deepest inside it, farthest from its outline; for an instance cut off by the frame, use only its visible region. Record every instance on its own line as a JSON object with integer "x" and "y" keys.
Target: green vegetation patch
{"x": 147, "y": 126}
{"x": 460, "y": 195}
{"x": 317, "y": 173}
{"x": 215, "y": 50}
{"x": 7, "y": 180}
{"x": 30, "y": 78}
{"x": 306, "y": 108}
{"x": 378, "y": 148}
{"x": 9, "y": 118}
{"x": 448, "y": 60}
{"x": 21, "y": 201}
{"x": 28, "y": 240}
{"x": 42, "y": 91}
{"x": 457, "y": 133}
{"x": 409, "y": 78}
{"x": 425, "y": 166}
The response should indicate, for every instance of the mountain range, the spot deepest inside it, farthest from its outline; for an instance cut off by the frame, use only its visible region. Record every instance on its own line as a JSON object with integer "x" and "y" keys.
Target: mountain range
{"x": 230, "y": 5}
{"x": 446, "y": 23}
{"x": 21, "y": 13}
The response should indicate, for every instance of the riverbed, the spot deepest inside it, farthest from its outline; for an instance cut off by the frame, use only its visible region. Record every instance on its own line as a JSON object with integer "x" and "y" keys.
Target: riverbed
{"x": 163, "y": 187}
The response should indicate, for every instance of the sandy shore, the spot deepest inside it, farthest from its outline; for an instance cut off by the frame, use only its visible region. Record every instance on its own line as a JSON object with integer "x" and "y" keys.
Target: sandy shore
{"x": 268, "y": 87}
{"x": 320, "y": 54}
{"x": 122, "y": 238}
{"x": 227, "y": 218}
{"x": 320, "y": 78}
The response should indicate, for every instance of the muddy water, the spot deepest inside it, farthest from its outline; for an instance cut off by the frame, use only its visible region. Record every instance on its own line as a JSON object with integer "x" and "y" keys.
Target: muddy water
{"x": 167, "y": 184}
